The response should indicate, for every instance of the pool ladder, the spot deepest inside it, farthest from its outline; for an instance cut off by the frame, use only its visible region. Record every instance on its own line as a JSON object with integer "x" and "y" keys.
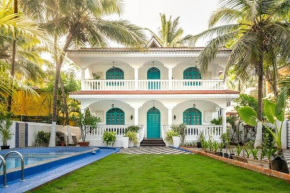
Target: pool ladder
{"x": 4, "y": 167}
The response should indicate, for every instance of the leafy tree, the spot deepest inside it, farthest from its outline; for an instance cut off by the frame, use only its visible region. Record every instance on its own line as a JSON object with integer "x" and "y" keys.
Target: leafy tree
{"x": 245, "y": 100}
{"x": 256, "y": 31}
{"x": 169, "y": 34}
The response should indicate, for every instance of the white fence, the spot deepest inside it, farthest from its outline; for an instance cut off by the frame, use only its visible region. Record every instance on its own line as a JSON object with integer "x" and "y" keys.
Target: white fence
{"x": 95, "y": 135}
{"x": 288, "y": 134}
{"x": 192, "y": 132}
{"x": 153, "y": 85}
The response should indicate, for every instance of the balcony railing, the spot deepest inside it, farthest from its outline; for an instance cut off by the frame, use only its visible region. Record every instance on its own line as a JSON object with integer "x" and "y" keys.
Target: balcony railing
{"x": 152, "y": 85}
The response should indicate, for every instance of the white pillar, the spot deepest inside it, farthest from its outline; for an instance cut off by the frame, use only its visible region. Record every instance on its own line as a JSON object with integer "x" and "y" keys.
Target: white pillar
{"x": 170, "y": 77}
{"x": 224, "y": 115}
{"x": 136, "y": 77}
{"x": 136, "y": 117}
{"x": 83, "y": 75}
{"x": 169, "y": 116}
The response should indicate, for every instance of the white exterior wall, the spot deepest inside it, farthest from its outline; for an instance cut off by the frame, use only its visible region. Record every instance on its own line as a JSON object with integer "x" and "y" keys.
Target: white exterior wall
{"x": 33, "y": 129}
{"x": 207, "y": 109}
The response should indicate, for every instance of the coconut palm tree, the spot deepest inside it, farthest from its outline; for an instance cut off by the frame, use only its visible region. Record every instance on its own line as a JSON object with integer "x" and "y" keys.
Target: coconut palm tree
{"x": 81, "y": 23}
{"x": 255, "y": 28}
{"x": 169, "y": 34}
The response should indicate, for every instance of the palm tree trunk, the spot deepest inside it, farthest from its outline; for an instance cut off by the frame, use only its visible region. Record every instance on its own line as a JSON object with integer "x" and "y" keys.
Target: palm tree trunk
{"x": 55, "y": 89}
{"x": 13, "y": 60}
{"x": 260, "y": 87}
{"x": 65, "y": 107}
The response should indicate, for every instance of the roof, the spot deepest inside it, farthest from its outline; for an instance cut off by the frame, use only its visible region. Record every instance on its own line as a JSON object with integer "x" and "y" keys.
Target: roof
{"x": 153, "y": 43}
{"x": 163, "y": 49}
{"x": 146, "y": 92}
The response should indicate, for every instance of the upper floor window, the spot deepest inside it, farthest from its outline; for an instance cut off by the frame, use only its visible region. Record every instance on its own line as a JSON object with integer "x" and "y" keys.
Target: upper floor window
{"x": 115, "y": 73}
{"x": 153, "y": 73}
{"x": 115, "y": 116}
{"x": 192, "y": 116}
{"x": 191, "y": 73}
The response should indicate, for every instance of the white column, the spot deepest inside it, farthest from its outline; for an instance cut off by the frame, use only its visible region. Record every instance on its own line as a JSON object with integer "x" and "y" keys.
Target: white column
{"x": 83, "y": 75}
{"x": 136, "y": 77}
{"x": 224, "y": 115}
{"x": 170, "y": 77}
{"x": 136, "y": 116}
{"x": 169, "y": 116}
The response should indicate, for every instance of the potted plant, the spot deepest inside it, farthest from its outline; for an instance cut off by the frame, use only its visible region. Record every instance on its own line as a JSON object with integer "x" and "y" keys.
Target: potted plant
{"x": 204, "y": 145}
{"x": 269, "y": 153}
{"x": 170, "y": 137}
{"x": 221, "y": 147}
{"x": 200, "y": 140}
{"x": 256, "y": 161}
{"x": 237, "y": 157}
{"x": 132, "y": 136}
{"x": 180, "y": 129}
{"x": 109, "y": 137}
{"x": 86, "y": 121}
{"x": 216, "y": 147}
{"x": 273, "y": 111}
{"x": 5, "y": 132}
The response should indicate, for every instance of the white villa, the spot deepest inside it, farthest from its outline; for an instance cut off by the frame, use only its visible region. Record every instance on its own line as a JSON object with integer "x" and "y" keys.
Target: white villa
{"x": 152, "y": 88}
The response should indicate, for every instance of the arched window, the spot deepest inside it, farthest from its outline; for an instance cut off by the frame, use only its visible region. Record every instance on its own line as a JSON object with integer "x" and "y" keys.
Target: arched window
{"x": 191, "y": 73}
{"x": 115, "y": 116}
{"x": 192, "y": 116}
{"x": 115, "y": 74}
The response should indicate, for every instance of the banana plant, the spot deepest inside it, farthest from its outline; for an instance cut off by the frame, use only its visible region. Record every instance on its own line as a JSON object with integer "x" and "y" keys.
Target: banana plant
{"x": 274, "y": 111}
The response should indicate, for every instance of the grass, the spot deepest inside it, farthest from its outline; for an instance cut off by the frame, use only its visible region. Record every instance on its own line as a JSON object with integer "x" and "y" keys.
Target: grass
{"x": 163, "y": 173}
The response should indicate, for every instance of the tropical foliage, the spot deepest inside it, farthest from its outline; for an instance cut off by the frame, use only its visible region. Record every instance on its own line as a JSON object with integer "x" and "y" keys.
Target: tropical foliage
{"x": 170, "y": 34}
{"x": 256, "y": 32}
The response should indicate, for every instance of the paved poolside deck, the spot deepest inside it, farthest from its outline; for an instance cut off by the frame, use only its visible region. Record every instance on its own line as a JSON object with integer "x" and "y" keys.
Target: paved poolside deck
{"x": 39, "y": 179}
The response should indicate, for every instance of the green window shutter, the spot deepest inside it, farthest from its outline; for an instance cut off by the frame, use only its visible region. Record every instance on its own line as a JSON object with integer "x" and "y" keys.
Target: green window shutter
{"x": 192, "y": 116}
{"x": 115, "y": 116}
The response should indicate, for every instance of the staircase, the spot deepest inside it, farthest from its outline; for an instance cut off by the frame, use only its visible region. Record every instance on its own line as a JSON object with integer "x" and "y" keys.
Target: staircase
{"x": 152, "y": 142}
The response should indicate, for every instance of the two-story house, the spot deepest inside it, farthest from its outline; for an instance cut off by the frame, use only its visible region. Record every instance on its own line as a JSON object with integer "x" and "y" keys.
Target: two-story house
{"x": 153, "y": 88}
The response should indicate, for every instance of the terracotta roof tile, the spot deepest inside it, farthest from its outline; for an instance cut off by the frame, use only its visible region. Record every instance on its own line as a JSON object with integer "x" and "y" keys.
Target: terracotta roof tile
{"x": 148, "y": 92}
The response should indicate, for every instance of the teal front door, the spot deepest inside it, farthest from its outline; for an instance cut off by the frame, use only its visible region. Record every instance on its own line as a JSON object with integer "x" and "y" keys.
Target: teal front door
{"x": 153, "y": 123}
{"x": 153, "y": 74}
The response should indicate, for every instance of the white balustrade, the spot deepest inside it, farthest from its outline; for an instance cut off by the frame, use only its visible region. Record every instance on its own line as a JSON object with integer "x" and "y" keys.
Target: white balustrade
{"x": 109, "y": 85}
{"x": 192, "y": 132}
{"x": 197, "y": 85}
{"x": 119, "y": 129}
{"x": 153, "y": 84}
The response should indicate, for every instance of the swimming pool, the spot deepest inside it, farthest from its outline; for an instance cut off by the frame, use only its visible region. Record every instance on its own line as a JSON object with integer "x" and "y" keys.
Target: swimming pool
{"x": 42, "y": 154}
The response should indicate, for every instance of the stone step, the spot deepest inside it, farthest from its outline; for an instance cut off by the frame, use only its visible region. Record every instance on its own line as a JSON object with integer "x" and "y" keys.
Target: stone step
{"x": 152, "y": 142}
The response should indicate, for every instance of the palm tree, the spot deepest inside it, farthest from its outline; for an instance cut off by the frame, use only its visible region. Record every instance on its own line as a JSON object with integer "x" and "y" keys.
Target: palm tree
{"x": 169, "y": 34}
{"x": 81, "y": 23}
{"x": 256, "y": 30}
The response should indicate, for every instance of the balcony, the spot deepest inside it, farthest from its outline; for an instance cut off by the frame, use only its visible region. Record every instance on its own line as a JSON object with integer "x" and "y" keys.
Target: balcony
{"x": 113, "y": 85}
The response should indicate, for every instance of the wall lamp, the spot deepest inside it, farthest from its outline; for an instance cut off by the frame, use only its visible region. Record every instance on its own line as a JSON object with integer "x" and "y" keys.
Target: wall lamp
{"x": 174, "y": 117}
{"x": 131, "y": 117}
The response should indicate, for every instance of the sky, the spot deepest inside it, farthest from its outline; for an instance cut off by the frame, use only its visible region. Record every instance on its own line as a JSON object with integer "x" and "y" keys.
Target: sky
{"x": 194, "y": 14}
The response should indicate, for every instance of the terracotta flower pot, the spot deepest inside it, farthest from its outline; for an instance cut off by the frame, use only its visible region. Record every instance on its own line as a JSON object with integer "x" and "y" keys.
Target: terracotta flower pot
{"x": 84, "y": 143}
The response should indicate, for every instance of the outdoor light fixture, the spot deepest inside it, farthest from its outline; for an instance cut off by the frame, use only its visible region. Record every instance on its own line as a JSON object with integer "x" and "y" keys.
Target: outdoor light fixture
{"x": 193, "y": 105}
{"x": 174, "y": 117}
{"x": 131, "y": 117}
{"x": 153, "y": 105}
{"x": 113, "y": 105}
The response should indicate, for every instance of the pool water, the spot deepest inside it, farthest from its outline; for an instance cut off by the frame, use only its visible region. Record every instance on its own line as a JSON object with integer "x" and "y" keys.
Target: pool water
{"x": 14, "y": 162}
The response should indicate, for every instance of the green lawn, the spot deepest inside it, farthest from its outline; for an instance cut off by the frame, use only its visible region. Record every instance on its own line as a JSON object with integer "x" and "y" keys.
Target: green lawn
{"x": 164, "y": 173}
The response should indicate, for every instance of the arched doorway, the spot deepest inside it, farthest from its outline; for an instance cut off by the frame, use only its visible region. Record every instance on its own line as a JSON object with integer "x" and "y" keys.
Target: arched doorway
{"x": 152, "y": 74}
{"x": 153, "y": 123}
{"x": 115, "y": 74}
{"x": 115, "y": 116}
{"x": 192, "y": 116}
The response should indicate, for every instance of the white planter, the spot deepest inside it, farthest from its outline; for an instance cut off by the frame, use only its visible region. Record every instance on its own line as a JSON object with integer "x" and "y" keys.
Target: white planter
{"x": 131, "y": 144}
{"x": 125, "y": 142}
{"x": 176, "y": 141}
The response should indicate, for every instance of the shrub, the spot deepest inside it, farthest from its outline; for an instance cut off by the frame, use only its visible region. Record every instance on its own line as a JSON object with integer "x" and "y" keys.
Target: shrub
{"x": 109, "y": 137}
{"x": 132, "y": 136}
{"x": 133, "y": 129}
{"x": 42, "y": 138}
{"x": 180, "y": 129}
{"x": 170, "y": 134}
